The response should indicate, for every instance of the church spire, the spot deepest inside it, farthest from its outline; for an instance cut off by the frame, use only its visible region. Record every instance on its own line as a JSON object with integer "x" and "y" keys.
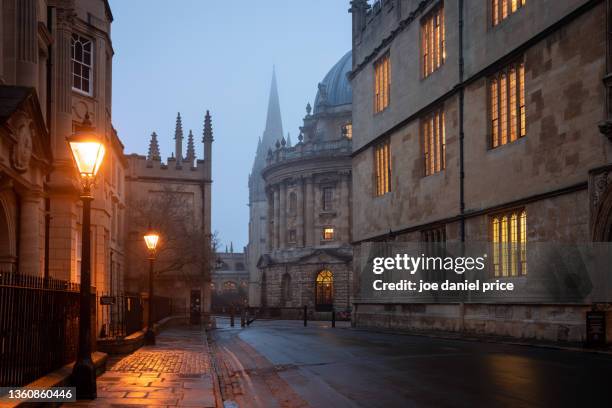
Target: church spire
{"x": 178, "y": 137}
{"x": 154, "y": 148}
{"x": 274, "y": 123}
{"x": 191, "y": 155}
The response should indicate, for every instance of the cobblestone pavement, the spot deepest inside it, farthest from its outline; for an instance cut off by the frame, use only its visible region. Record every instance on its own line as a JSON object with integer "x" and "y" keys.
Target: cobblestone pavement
{"x": 176, "y": 371}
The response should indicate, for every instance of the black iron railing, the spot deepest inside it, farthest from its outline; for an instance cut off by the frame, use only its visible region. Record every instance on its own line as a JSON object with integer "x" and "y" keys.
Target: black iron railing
{"x": 39, "y": 320}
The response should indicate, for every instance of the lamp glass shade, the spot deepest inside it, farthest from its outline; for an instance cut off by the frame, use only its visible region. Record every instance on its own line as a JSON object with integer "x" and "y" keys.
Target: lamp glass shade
{"x": 151, "y": 240}
{"x": 88, "y": 155}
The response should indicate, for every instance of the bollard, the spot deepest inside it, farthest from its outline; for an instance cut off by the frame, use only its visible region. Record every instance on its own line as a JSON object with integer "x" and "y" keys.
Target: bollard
{"x": 242, "y": 317}
{"x": 305, "y": 315}
{"x": 232, "y": 316}
{"x": 333, "y": 318}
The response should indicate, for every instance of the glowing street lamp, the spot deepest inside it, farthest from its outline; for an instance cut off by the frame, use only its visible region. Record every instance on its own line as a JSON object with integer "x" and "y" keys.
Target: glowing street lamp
{"x": 88, "y": 152}
{"x": 151, "y": 240}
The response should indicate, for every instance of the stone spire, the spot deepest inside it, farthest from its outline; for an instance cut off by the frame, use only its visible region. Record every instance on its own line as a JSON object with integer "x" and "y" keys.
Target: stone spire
{"x": 154, "y": 148}
{"x": 207, "y": 140}
{"x": 191, "y": 155}
{"x": 274, "y": 123}
{"x": 288, "y": 139}
{"x": 178, "y": 137}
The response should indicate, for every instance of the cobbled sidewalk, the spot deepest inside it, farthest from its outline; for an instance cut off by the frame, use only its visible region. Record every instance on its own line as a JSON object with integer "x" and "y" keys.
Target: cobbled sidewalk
{"x": 176, "y": 371}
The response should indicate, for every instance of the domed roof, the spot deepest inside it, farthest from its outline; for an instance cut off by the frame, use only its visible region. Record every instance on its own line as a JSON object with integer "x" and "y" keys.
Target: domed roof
{"x": 335, "y": 89}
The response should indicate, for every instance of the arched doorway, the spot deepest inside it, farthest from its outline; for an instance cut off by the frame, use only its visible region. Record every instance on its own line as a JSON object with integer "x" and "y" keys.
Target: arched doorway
{"x": 324, "y": 290}
{"x": 264, "y": 290}
{"x": 286, "y": 293}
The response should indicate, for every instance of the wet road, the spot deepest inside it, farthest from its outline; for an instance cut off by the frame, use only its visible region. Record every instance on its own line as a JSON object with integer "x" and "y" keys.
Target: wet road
{"x": 281, "y": 363}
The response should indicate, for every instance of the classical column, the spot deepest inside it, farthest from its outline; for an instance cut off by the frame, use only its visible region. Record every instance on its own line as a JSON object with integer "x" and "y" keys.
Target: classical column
{"x": 283, "y": 216}
{"x": 309, "y": 212}
{"x": 31, "y": 258}
{"x": 300, "y": 212}
{"x": 345, "y": 197}
{"x": 270, "y": 220}
{"x": 27, "y": 43}
{"x": 276, "y": 216}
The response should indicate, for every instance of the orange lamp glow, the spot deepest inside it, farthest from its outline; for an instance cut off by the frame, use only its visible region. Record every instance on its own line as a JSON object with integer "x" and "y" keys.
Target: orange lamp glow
{"x": 151, "y": 240}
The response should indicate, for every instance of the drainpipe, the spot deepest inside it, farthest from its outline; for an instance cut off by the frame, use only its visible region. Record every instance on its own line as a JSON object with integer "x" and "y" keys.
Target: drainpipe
{"x": 461, "y": 130}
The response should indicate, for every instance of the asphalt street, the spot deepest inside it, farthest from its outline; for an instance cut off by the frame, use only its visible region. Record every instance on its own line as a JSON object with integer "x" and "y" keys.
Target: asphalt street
{"x": 282, "y": 363}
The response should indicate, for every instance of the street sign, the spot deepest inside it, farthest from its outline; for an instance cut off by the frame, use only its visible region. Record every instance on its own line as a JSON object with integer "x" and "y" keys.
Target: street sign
{"x": 596, "y": 329}
{"x": 107, "y": 300}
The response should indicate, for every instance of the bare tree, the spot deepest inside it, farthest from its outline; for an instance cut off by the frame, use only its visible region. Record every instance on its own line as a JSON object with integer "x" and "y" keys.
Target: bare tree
{"x": 184, "y": 247}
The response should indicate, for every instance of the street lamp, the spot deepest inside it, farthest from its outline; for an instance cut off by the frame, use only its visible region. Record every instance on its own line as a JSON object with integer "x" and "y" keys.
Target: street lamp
{"x": 88, "y": 152}
{"x": 151, "y": 240}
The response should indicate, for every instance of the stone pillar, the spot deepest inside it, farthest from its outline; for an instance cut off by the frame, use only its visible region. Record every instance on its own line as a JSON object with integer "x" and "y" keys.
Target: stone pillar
{"x": 270, "y": 221}
{"x": 300, "y": 213}
{"x": 31, "y": 249}
{"x": 283, "y": 216}
{"x": 309, "y": 212}
{"x": 345, "y": 204}
{"x": 62, "y": 186}
{"x": 27, "y": 43}
{"x": 276, "y": 216}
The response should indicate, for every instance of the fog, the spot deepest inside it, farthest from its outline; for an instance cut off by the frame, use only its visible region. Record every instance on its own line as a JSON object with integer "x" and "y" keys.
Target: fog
{"x": 193, "y": 55}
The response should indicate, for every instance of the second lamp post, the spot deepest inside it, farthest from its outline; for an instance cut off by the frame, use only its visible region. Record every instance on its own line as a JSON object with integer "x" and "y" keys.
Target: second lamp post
{"x": 151, "y": 240}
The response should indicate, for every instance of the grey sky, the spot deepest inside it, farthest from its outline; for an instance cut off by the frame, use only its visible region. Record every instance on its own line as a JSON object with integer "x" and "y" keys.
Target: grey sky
{"x": 193, "y": 55}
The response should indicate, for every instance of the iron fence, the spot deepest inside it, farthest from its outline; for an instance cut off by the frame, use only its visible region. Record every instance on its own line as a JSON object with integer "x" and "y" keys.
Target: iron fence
{"x": 39, "y": 326}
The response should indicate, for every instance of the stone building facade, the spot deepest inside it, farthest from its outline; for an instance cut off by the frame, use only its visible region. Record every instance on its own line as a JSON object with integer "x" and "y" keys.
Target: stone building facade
{"x": 476, "y": 120}
{"x": 308, "y": 189}
{"x": 56, "y": 69}
{"x": 172, "y": 198}
{"x": 230, "y": 280}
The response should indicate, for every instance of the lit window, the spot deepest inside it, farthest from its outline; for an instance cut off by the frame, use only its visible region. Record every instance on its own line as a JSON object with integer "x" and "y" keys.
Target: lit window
{"x": 434, "y": 142}
{"x": 328, "y": 234}
{"x": 382, "y": 168}
{"x": 347, "y": 131}
{"x": 433, "y": 52}
{"x": 507, "y": 105}
{"x": 509, "y": 236}
{"x": 229, "y": 286}
{"x": 325, "y": 289}
{"x": 501, "y": 9}
{"x": 328, "y": 197}
{"x": 382, "y": 83}
{"x": 82, "y": 63}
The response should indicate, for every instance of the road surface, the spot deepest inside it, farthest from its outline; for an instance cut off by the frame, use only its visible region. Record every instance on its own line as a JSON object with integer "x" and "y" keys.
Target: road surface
{"x": 283, "y": 364}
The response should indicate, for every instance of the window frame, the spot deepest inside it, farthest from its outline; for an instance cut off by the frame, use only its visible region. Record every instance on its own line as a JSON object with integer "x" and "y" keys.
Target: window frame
{"x": 436, "y": 141}
{"x": 440, "y": 45}
{"x": 386, "y": 73}
{"x": 499, "y": 105}
{"x": 327, "y": 203}
{"x": 495, "y": 8}
{"x": 380, "y": 189}
{"x": 91, "y": 66}
{"x": 509, "y": 261}
{"x": 325, "y": 231}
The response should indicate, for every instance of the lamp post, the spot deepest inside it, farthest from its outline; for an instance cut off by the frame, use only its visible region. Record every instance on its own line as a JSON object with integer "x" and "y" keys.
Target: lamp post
{"x": 88, "y": 152}
{"x": 151, "y": 240}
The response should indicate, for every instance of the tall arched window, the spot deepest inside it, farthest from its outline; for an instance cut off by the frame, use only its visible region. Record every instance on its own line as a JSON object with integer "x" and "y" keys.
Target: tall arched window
{"x": 325, "y": 290}
{"x": 286, "y": 294}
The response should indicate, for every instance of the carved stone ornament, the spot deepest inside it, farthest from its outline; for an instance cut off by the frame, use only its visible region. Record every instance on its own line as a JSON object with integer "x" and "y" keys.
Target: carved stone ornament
{"x": 22, "y": 149}
{"x": 605, "y": 128}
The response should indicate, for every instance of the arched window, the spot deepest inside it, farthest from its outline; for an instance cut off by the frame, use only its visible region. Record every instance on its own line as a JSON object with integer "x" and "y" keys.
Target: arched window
{"x": 292, "y": 204}
{"x": 229, "y": 286}
{"x": 325, "y": 290}
{"x": 286, "y": 293}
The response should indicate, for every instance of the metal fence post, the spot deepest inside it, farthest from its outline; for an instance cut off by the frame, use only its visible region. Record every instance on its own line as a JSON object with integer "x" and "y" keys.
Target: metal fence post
{"x": 232, "y": 316}
{"x": 333, "y": 317}
{"x": 242, "y": 317}
{"x": 305, "y": 315}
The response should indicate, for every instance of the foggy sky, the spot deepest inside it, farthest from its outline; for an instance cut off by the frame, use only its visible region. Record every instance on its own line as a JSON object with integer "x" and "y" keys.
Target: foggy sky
{"x": 193, "y": 55}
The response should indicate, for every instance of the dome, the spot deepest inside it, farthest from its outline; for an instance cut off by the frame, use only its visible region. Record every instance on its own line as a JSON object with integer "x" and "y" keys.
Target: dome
{"x": 335, "y": 89}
